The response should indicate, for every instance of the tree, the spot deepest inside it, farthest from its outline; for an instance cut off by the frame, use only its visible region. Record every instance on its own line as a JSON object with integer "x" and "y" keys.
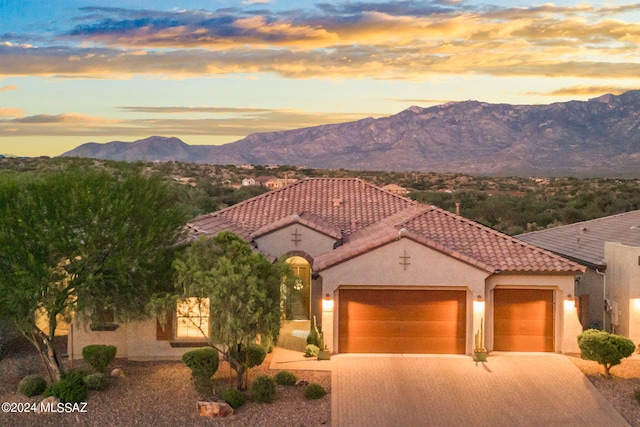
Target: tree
{"x": 605, "y": 348}
{"x": 243, "y": 293}
{"x": 82, "y": 241}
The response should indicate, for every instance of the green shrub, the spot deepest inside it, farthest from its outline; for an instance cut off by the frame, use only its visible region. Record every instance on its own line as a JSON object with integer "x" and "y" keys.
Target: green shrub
{"x": 32, "y": 385}
{"x": 605, "y": 348}
{"x": 69, "y": 389}
{"x": 311, "y": 350}
{"x": 285, "y": 378}
{"x": 233, "y": 397}
{"x": 312, "y": 338}
{"x": 314, "y": 391}
{"x": 263, "y": 389}
{"x": 254, "y": 355}
{"x": 99, "y": 356}
{"x": 97, "y": 381}
{"x": 202, "y": 361}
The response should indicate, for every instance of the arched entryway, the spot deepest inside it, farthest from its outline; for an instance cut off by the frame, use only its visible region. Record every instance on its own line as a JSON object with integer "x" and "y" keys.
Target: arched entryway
{"x": 298, "y": 295}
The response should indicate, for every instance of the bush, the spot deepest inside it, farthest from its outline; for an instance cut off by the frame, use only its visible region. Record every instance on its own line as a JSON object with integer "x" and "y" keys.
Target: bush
{"x": 312, "y": 338}
{"x": 263, "y": 389}
{"x": 32, "y": 385}
{"x": 99, "y": 356}
{"x": 233, "y": 397}
{"x": 311, "y": 350}
{"x": 605, "y": 348}
{"x": 254, "y": 355}
{"x": 69, "y": 389}
{"x": 202, "y": 361}
{"x": 285, "y": 378}
{"x": 314, "y": 391}
{"x": 97, "y": 381}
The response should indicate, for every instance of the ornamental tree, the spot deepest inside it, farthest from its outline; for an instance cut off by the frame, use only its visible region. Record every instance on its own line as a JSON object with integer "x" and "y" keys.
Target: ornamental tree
{"x": 605, "y": 348}
{"x": 83, "y": 241}
{"x": 243, "y": 292}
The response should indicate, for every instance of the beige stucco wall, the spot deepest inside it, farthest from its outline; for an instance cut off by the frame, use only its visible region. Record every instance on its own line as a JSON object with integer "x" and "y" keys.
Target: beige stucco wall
{"x": 566, "y": 323}
{"x": 623, "y": 287}
{"x": 428, "y": 269}
{"x": 591, "y": 283}
{"x": 279, "y": 242}
{"x": 134, "y": 340}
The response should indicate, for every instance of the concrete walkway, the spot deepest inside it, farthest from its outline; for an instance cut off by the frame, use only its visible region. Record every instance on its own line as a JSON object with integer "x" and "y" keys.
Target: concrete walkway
{"x": 508, "y": 390}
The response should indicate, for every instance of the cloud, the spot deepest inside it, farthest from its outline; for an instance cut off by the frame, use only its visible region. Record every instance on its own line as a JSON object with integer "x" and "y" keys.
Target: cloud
{"x": 65, "y": 118}
{"x": 10, "y": 87}
{"x": 406, "y": 40}
{"x": 11, "y": 112}
{"x": 582, "y": 90}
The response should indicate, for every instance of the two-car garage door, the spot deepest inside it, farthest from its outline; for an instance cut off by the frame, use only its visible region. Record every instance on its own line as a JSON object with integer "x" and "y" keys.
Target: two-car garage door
{"x": 402, "y": 321}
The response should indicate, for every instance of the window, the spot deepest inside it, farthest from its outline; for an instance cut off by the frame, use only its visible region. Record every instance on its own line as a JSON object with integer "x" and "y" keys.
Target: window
{"x": 192, "y": 316}
{"x": 103, "y": 320}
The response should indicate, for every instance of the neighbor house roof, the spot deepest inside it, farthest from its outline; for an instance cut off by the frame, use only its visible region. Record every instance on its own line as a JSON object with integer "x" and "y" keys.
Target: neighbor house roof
{"x": 363, "y": 217}
{"x": 584, "y": 241}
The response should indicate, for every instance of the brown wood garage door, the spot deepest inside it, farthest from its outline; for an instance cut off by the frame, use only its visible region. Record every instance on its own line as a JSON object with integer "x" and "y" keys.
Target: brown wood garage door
{"x": 523, "y": 320}
{"x": 402, "y": 321}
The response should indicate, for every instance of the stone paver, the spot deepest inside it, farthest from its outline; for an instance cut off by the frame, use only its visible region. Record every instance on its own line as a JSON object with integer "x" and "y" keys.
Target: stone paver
{"x": 508, "y": 390}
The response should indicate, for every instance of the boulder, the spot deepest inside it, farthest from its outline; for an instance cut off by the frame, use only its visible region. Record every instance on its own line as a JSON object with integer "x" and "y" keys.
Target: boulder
{"x": 214, "y": 409}
{"x": 48, "y": 404}
{"x": 117, "y": 372}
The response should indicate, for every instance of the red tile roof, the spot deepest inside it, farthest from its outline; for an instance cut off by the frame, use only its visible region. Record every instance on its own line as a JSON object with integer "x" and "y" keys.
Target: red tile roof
{"x": 365, "y": 217}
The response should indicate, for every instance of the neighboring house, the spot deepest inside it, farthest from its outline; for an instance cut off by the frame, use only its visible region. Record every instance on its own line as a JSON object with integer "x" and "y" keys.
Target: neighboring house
{"x": 248, "y": 181}
{"x": 395, "y": 189}
{"x": 385, "y": 274}
{"x": 609, "y": 291}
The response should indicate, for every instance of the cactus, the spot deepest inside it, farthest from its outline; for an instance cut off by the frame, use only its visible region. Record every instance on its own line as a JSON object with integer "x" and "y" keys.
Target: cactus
{"x": 319, "y": 335}
{"x": 479, "y": 337}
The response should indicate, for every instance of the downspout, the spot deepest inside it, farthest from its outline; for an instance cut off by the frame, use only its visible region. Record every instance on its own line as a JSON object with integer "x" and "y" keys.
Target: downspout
{"x": 604, "y": 299}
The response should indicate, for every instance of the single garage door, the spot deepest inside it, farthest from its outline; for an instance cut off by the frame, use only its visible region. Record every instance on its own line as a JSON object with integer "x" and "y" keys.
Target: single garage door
{"x": 523, "y": 320}
{"x": 402, "y": 321}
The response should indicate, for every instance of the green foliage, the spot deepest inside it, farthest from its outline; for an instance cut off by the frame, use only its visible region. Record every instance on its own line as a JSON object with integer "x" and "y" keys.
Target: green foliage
{"x": 605, "y": 348}
{"x": 32, "y": 385}
{"x": 243, "y": 289}
{"x": 234, "y": 397}
{"x": 314, "y": 391}
{"x": 202, "y": 361}
{"x": 251, "y": 356}
{"x": 285, "y": 378}
{"x": 311, "y": 350}
{"x": 312, "y": 338}
{"x": 95, "y": 381}
{"x": 69, "y": 389}
{"x": 263, "y": 389}
{"x": 99, "y": 356}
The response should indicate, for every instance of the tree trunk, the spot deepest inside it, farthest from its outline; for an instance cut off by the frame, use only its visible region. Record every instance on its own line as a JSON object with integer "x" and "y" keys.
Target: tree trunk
{"x": 47, "y": 353}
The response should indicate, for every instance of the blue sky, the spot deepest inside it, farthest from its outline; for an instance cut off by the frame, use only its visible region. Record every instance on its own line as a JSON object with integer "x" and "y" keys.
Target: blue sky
{"x": 212, "y": 72}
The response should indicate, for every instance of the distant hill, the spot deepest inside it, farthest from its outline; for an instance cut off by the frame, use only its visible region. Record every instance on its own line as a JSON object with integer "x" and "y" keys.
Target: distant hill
{"x": 599, "y": 137}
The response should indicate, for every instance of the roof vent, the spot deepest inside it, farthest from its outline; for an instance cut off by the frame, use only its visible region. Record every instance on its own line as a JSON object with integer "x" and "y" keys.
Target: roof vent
{"x": 337, "y": 202}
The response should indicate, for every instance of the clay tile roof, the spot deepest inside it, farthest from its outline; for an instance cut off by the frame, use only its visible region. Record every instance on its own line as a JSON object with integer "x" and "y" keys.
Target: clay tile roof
{"x": 584, "y": 241}
{"x": 305, "y": 218}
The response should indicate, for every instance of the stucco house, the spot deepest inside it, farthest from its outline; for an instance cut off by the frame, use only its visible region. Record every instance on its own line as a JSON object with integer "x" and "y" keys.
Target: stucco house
{"x": 609, "y": 247}
{"x": 385, "y": 274}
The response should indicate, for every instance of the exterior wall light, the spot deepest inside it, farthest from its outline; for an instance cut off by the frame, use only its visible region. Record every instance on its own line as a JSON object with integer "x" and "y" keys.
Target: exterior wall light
{"x": 327, "y": 303}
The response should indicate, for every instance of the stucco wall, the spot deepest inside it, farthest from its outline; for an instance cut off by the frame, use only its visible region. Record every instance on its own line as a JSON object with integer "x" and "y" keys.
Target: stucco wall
{"x": 279, "y": 242}
{"x": 566, "y": 323}
{"x": 428, "y": 269}
{"x": 623, "y": 286}
{"x": 591, "y": 283}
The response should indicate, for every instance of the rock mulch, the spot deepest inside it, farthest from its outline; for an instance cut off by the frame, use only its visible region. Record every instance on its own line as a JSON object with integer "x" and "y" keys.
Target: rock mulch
{"x": 160, "y": 394}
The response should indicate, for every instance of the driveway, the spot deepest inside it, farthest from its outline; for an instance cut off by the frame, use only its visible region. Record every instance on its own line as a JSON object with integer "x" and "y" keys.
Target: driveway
{"x": 508, "y": 390}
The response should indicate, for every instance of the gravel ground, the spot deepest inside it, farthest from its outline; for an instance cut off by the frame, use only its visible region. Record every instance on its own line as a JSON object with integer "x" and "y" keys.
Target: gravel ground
{"x": 159, "y": 394}
{"x": 619, "y": 388}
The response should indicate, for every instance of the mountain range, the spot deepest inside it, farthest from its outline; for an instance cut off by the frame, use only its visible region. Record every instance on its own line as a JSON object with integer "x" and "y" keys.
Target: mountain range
{"x": 598, "y": 137}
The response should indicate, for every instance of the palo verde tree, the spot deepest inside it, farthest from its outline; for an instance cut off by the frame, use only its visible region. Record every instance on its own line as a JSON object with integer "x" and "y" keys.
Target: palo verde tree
{"x": 84, "y": 241}
{"x": 242, "y": 290}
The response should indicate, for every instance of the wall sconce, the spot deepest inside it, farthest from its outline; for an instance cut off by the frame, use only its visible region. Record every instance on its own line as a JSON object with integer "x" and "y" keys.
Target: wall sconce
{"x": 569, "y": 297}
{"x": 479, "y": 297}
{"x": 327, "y": 303}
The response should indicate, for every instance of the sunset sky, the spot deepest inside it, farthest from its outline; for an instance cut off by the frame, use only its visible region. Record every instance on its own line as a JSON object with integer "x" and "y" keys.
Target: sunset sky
{"x": 212, "y": 72}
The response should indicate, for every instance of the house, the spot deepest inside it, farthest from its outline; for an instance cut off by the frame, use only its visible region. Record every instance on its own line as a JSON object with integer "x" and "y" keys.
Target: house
{"x": 609, "y": 291}
{"x": 385, "y": 274}
{"x": 247, "y": 181}
{"x": 395, "y": 189}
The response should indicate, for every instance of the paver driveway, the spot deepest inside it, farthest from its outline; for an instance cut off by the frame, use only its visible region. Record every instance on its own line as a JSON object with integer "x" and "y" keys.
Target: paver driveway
{"x": 508, "y": 390}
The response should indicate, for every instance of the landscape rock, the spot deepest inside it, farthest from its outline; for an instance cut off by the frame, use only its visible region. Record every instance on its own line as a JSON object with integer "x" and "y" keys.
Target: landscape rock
{"x": 50, "y": 402}
{"x": 214, "y": 409}
{"x": 117, "y": 372}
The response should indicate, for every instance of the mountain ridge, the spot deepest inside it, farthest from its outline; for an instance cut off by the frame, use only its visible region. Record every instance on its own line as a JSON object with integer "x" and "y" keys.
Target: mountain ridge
{"x": 598, "y": 137}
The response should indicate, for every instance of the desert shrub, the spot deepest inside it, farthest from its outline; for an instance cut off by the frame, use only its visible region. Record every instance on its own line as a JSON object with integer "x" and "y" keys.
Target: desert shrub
{"x": 605, "y": 348}
{"x": 202, "y": 361}
{"x": 311, "y": 350}
{"x": 285, "y": 378}
{"x": 70, "y": 388}
{"x": 254, "y": 355}
{"x": 312, "y": 338}
{"x": 314, "y": 391}
{"x": 233, "y": 397}
{"x": 99, "y": 356}
{"x": 96, "y": 381}
{"x": 32, "y": 385}
{"x": 263, "y": 389}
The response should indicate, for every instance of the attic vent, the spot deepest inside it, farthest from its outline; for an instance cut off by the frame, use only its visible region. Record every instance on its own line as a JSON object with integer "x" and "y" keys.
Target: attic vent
{"x": 337, "y": 202}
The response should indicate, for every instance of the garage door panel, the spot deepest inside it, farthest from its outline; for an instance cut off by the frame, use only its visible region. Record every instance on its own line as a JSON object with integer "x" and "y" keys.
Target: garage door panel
{"x": 523, "y": 320}
{"x": 402, "y": 321}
